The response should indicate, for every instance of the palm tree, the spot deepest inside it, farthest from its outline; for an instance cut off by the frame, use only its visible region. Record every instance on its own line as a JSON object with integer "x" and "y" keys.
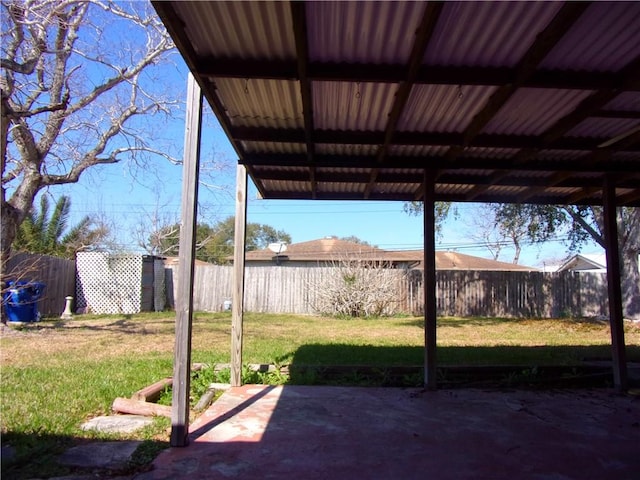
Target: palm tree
{"x": 41, "y": 233}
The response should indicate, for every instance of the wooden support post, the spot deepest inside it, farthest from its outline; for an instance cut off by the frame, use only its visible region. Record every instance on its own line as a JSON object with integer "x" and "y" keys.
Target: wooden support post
{"x": 184, "y": 298}
{"x": 237, "y": 308}
{"x": 616, "y": 319}
{"x": 429, "y": 282}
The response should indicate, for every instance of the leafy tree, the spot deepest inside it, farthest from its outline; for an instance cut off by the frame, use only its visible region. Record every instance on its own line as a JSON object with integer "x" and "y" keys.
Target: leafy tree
{"x": 518, "y": 222}
{"x": 45, "y": 234}
{"x": 75, "y": 90}
{"x": 442, "y": 210}
{"x": 215, "y": 243}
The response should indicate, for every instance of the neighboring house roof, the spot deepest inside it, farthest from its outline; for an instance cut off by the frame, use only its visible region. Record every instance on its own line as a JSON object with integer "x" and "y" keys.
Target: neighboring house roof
{"x": 334, "y": 249}
{"x": 460, "y": 261}
{"x": 585, "y": 263}
{"x": 325, "y": 249}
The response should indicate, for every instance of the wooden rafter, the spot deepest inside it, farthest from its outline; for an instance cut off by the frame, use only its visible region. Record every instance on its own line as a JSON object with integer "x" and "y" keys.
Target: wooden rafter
{"x": 479, "y": 189}
{"x": 298, "y": 13}
{"x": 213, "y": 67}
{"x": 437, "y": 162}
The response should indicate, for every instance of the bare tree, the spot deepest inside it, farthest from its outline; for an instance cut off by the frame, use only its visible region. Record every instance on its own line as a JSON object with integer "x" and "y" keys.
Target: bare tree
{"x": 77, "y": 92}
{"x": 483, "y": 229}
{"x": 157, "y": 230}
{"x": 357, "y": 288}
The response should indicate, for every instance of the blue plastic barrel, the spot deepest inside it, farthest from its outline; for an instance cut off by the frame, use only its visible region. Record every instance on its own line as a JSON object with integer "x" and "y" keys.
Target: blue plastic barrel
{"x": 21, "y": 301}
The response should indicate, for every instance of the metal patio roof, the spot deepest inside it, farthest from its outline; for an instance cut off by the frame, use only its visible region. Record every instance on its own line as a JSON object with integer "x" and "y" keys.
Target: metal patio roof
{"x": 532, "y": 102}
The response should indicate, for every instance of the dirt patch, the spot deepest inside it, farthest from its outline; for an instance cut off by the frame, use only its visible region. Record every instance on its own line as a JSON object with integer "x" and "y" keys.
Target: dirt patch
{"x": 52, "y": 342}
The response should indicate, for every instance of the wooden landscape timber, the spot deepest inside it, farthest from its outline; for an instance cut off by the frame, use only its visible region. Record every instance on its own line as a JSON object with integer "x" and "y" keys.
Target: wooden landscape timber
{"x": 137, "y": 407}
{"x": 152, "y": 392}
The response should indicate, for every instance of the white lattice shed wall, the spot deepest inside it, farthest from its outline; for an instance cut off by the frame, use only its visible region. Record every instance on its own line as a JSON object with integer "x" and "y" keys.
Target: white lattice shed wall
{"x": 115, "y": 283}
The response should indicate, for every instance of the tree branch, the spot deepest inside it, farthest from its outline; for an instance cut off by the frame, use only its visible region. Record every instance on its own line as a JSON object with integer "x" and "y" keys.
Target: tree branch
{"x": 597, "y": 237}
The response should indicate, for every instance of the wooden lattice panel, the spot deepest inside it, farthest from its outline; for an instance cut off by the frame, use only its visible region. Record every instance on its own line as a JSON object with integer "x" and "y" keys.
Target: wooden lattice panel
{"x": 108, "y": 283}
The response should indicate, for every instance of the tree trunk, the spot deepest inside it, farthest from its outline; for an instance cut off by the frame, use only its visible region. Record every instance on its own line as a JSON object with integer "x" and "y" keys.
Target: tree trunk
{"x": 7, "y": 234}
{"x": 630, "y": 284}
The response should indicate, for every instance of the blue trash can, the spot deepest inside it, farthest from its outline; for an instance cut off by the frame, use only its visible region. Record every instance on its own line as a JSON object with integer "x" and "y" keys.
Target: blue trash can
{"x": 21, "y": 301}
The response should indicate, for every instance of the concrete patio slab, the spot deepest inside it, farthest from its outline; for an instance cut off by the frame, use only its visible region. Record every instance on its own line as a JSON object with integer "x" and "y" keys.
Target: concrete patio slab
{"x": 103, "y": 455}
{"x": 385, "y": 433}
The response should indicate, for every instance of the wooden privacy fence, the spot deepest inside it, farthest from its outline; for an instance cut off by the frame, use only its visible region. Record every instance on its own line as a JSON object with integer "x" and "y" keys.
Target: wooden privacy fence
{"x": 513, "y": 294}
{"x": 277, "y": 289}
{"x": 58, "y": 275}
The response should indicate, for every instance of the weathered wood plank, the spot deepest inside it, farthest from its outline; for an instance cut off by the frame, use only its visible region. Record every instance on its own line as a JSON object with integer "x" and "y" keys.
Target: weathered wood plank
{"x": 237, "y": 310}
{"x": 616, "y": 319}
{"x": 136, "y": 407}
{"x": 184, "y": 298}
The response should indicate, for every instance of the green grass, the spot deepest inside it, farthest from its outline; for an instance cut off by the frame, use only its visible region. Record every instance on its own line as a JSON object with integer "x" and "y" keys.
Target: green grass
{"x": 56, "y": 375}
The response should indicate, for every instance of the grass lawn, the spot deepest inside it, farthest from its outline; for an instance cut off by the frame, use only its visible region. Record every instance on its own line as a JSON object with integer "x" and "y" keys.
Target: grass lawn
{"x": 56, "y": 375}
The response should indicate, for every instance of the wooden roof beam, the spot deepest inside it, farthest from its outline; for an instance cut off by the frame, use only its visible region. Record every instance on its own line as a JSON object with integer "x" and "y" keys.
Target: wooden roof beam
{"x": 287, "y": 70}
{"x": 495, "y": 177}
{"x": 299, "y": 16}
{"x": 554, "y": 180}
{"x": 433, "y": 162}
{"x": 351, "y": 137}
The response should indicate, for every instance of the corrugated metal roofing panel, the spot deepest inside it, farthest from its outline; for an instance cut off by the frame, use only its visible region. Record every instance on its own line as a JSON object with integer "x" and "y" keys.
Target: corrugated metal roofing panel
{"x": 396, "y": 188}
{"x": 482, "y": 152}
{"x": 561, "y": 154}
{"x": 606, "y": 127}
{"x": 346, "y": 149}
{"x": 402, "y": 171}
{"x": 335, "y": 187}
{"x": 560, "y": 191}
{"x": 368, "y": 37}
{"x": 417, "y": 150}
{"x": 605, "y": 38}
{"x": 529, "y": 174}
{"x": 246, "y": 30}
{"x": 544, "y": 107}
{"x": 352, "y": 106}
{"x": 384, "y": 34}
{"x": 273, "y": 147}
{"x": 625, "y": 101}
{"x": 506, "y": 190}
{"x": 287, "y": 186}
{"x": 262, "y": 103}
{"x": 470, "y": 171}
{"x": 452, "y": 188}
{"x": 487, "y": 34}
{"x": 280, "y": 169}
{"x": 443, "y": 108}
{"x": 346, "y": 171}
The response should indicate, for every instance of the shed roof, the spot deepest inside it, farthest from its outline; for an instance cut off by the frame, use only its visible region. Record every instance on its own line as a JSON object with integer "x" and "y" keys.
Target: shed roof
{"x": 532, "y": 102}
